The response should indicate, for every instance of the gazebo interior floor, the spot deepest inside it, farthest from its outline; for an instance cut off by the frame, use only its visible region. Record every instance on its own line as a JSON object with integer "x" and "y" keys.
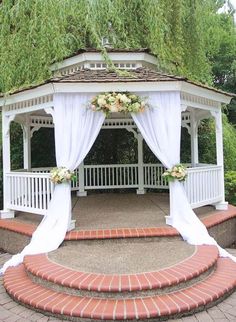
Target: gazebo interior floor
{"x": 118, "y": 210}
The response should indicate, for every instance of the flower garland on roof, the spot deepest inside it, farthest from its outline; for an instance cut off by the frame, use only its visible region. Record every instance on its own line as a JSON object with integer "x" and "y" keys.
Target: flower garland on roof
{"x": 123, "y": 102}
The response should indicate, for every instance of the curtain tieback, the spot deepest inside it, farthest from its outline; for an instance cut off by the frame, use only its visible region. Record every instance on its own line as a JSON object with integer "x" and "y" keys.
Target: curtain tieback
{"x": 177, "y": 172}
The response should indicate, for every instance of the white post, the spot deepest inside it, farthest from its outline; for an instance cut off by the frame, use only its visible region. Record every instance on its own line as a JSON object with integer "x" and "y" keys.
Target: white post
{"x": 6, "y": 120}
{"x": 27, "y": 144}
{"x": 81, "y": 192}
{"x": 141, "y": 189}
{"x": 222, "y": 205}
{"x": 194, "y": 139}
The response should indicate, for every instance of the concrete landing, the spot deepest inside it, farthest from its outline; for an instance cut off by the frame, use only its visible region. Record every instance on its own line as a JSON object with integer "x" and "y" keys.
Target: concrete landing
{"x": 119, "y": 210}
{"x": 119, "y": 257}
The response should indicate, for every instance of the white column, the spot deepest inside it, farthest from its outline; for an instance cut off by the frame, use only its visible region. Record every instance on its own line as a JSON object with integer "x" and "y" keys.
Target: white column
{"x": 141, "y": 189}
{"x": 27, "y": 144}
{"x": 6, "y": 120}
{"x": 81, "y": 192}
{"x": 194, "y": 139}
{"x": 222, "y": 205}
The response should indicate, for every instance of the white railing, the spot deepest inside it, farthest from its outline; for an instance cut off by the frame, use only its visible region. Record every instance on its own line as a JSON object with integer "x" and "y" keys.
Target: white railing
{"x": 31, "y": 191}
{"x": 152, "y": 175}
{"x": 74, "y": 183}
{"x": 203, "y": 185}
{"x": 111, "y": 176}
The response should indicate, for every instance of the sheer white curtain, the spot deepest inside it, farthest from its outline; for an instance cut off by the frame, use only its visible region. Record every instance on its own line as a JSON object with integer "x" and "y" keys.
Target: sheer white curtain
{"x": 160, "y": 126}
{"x": 76, "y": 128}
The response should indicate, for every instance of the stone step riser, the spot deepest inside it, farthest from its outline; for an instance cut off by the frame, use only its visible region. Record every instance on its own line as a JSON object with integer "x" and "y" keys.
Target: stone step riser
{"x": 121, "y": 240}
{"x": 188, "y": 301}
{"x": 193, "y": 269}
{"x": 124, "y": 293}
{"x": 179, "y": 315}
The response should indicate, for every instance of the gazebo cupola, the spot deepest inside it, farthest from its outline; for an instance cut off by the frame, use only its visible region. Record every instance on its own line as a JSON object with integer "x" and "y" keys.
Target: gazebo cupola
{"x": 94, "y": 60}
{"x": 30, "y": 189}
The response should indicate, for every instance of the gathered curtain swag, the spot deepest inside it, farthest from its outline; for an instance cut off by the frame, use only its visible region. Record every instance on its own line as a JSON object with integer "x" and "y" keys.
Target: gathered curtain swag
{"x": 76, "y": 128}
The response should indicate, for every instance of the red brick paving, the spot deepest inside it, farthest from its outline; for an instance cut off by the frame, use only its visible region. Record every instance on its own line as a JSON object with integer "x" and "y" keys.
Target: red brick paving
{"x": 223, "y": 280}
{"x": 210, "y": 221}
{"x": 203, "y": 258}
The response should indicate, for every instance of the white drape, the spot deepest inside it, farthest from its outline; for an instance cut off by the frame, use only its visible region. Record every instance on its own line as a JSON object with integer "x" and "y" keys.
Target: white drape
{"x": 160, "y": 126}
{"x": 76, "y": 128}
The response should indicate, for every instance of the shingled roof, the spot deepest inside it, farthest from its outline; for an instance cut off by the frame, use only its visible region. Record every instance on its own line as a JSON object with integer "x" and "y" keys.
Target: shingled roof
{"x": 103, "y": 75}
{"x": 142, "y": 74}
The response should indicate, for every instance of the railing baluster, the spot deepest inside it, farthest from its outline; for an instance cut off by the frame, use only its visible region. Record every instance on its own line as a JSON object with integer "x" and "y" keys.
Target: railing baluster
{"x": 26, "y": 194}
{"x": 18, "y": 191}
{"x": 47, "y": 192}
{"x": 44, "y": 193}
{"x": 33, "y": 192}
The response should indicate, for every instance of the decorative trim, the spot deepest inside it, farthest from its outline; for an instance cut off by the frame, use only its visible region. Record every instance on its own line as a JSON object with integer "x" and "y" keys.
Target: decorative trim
{"x": 29, "y": 103}
{"x": 197, "y": 100}
{"x": 69, "y": 70}
{"x": 42, "y": 121}
{"x": 121, "y": 65}
{"x": 37, "y": 121}
{"x": 7, "y": 121}
{"x": 91, "y": 57}
{"x": 186, "y": 121}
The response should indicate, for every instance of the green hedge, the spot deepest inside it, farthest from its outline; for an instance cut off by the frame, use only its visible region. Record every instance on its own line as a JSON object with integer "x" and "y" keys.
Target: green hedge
{"x": 230, "y": 186}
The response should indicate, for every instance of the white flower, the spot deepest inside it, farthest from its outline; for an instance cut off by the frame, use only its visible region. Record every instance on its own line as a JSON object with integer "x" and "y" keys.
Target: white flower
{"x": 101, "y": 101}
{"x": 124, "y": 99}
{"x": 60, "y": 175}
{"x": 113, "y": 108}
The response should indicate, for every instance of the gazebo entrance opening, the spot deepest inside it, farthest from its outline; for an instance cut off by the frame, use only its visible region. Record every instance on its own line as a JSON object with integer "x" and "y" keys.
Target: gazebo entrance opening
{"x": 30, "y": 189}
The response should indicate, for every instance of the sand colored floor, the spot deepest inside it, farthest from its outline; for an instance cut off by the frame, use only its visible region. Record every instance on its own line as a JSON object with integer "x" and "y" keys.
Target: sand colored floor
{"x": 120, "y": 257}
{"x": 118, "y": 210}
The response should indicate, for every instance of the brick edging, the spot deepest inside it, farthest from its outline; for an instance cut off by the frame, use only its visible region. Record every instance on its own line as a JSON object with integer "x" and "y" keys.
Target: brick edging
{"x": 205, "y": 293}
{"x": 199, "y": 262}
{"x": 210, "y": 221}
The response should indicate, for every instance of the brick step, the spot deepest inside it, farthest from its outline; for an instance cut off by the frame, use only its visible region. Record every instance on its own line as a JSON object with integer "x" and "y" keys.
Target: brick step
{"x": 65, "y": 306}
{"x": 52, "y": 275}
{"x": 25, "y": 228}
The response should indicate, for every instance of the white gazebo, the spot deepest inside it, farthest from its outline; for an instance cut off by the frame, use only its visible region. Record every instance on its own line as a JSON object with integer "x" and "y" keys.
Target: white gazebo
{"x": 30, "y": 189}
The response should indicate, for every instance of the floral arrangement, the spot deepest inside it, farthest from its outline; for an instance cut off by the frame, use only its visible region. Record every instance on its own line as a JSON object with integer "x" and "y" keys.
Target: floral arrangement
{"x": 178, "y": 172}
{"x": 112, "y": 102}
{"x": 61, "y": 174}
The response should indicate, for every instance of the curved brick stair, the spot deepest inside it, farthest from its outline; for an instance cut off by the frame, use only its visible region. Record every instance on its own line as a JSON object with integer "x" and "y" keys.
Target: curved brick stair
{"x": 47, "y": 273}
{"x": 205, "y": 291}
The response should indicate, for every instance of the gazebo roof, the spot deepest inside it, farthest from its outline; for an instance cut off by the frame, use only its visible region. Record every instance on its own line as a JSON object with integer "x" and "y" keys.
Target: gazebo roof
{"x": 142, "y": 74}
{"x": 136, "y": 70}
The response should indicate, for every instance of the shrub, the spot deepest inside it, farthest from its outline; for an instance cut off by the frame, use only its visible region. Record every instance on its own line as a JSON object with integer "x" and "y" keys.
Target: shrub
{"x": 230, "y": 186}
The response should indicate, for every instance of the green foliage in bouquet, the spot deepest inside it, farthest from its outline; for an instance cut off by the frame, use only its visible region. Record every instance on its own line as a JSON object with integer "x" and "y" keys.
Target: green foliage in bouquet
{"x": 178, "y": 172}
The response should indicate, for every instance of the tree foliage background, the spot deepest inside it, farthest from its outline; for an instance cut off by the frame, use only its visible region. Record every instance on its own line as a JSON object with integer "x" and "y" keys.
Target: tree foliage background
{"x": 189, "y": 37}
